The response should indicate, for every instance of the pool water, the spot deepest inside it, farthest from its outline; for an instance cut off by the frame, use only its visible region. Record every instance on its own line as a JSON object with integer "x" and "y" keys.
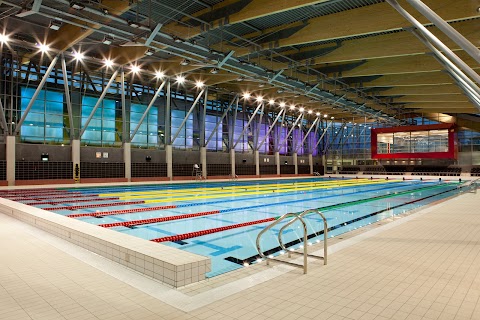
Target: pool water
{"x": 222, "y": 220}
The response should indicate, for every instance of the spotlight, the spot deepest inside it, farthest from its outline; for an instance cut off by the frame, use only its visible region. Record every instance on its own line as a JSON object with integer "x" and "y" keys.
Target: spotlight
{"x": 107, "y": 40}
{"x": 280, "y": 91}
{"x": 259, "y": 99}
{"x": 180, "y": 79}
{"x": 149, "y": 52}
{"x": 133, "y": 24}
{"x": 332, "y": 118}
{"x": 271, "y": 102}
{"x": 317, "y": 114}
{"x": 282, "y": 104}
{"x": 108, "y": 63}
{"x": 105, "y": 11}
{"x": 199, "y": 84}
{"x": 292, "y": 107}
{"x": 246, "y": 95}
{"x": 261, "y": 85}
{"x": 177, "y": 39}
{"x": 55, "y": 24}
{"x": 43, "y": 47}
{"x": 4, "y": 38}
{"x": 159, "y": 74}
{"x": 310, "y": 111}
{"x": 325, "y": 115}
{"x": 185, "y": 62}
{"x": 76, "y": 5}
{"x": 135, "y": 68}
{"x": 301, "y": 109}
{"x": 214, "y": 71}
{"x": 240, "y": 79}
{"x": 78, "y": 55}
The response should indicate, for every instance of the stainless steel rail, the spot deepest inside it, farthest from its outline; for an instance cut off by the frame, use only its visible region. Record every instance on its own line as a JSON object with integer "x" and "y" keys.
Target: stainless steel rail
{"x": 472, "y": 185}
{"x": 325, "y": 234}
{"x": 295, "y": 217}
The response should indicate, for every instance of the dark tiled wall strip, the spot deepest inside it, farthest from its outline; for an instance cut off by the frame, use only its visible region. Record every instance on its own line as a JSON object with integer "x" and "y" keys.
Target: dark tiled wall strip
{"x": 149, "y": 169}
{"x": 40, "y": 170}
{"x": 102, "y": 170}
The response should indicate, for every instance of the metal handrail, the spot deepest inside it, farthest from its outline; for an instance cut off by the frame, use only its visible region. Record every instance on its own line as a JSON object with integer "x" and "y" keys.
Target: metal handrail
{"x": 325, "y": 234}
{"x": 472, "y": 184}
{"x": 305, "y": 239}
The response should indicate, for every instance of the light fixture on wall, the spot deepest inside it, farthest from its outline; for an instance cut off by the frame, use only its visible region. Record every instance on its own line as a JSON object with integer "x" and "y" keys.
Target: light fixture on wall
{"x": 55, "y": 24}
{"x": 77, "y": 5}
{"x": 107, "y": 40}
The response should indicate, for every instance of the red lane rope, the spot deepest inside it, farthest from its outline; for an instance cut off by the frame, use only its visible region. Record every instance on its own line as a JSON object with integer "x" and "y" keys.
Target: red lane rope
{"x": 61, "y": 197}
{"x": 115, "y": 212}
{"x": 74, "y": 201}
{"x": 20, "y": 193}
{"x": 194, "y": 234}
{"x": 155, "y": 220}
{"x": 87, "y": 206}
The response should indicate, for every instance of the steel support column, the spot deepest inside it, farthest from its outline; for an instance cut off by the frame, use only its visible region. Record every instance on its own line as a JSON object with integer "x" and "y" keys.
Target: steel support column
{"x": 35, "y": 94}
{"x": 144, "y": 115}
{"x": 100, "y": 99}
{"x": 248, "y": 124}
{"x": 187, "y": 115}
{"x": 67, "y": 97}
{"x": 441, "y": 24}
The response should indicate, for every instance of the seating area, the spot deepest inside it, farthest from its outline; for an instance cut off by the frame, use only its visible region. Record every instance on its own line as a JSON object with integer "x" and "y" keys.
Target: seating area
{"x": 475, "y": 172}
{"x": 436, "y": 171}
{"x": 374, "y": 170}
{"x": 395, "y": 170}
{"x": 349, "y": 170}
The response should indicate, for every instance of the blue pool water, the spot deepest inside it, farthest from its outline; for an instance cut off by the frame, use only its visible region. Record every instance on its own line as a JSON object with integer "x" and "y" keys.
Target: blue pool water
{"x": 347, "y": 205}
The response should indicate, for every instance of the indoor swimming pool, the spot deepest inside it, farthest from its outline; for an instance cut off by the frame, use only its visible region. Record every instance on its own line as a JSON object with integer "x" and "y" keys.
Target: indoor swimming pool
{"x": 221, "y": 220}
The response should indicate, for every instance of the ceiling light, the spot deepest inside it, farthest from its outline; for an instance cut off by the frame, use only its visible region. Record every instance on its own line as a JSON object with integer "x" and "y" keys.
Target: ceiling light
{"x": 135, "y": 68}
{"x": 310, "y": 111}
{"x": 78, "y": 55}
{"x": 199, "y": 84}
{"x": 107, "y": 40}
{"x": 214, "y": 71}
{"x": 108, "y": 63}
{"x": 185, "y": 62}
{"x": 55, "y": 24}
{"x": 239, "y": 79}
{"x": 177, "y": 39}
{"x": 296, "y": 95}
{"x": 280, "y": 91}
{"x": 325, "y": 115}
{"x": 301, "y": 109}
{"x": 246, "y": 95}
{"x": 317, "y": 114}
{"x": 149, "y": 52}
{"x": 4, "y": 38}
{"x": 332, "y": 118}
{"x": 159, "y": 74}
{"x": 76, "y": 5}
{"x": 105, "y": 11}
{"x": 261, "y": 85}
{"x": 43, "y": 47}
{"x": 292, "y": 106}
{"x": 259, "y": 99}
{"x": 133, "y": 24}
{"x": 180, "y": 79}
{"x": 282, "y": 104}
{"x": 271, "y": 102}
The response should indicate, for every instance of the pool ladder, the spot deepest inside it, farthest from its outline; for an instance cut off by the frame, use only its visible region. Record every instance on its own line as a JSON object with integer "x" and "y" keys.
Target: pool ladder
{"x": 471, "y": 185}
{"x": 295, "y": 217}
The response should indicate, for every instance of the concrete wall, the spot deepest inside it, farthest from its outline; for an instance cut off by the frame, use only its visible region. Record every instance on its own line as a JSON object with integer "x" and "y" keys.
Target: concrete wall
{"x": 140, "y": 155}
{"x": 88, "y": 154}
{"x": 33, "y": 152}
{"x": 218, "y": 158}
